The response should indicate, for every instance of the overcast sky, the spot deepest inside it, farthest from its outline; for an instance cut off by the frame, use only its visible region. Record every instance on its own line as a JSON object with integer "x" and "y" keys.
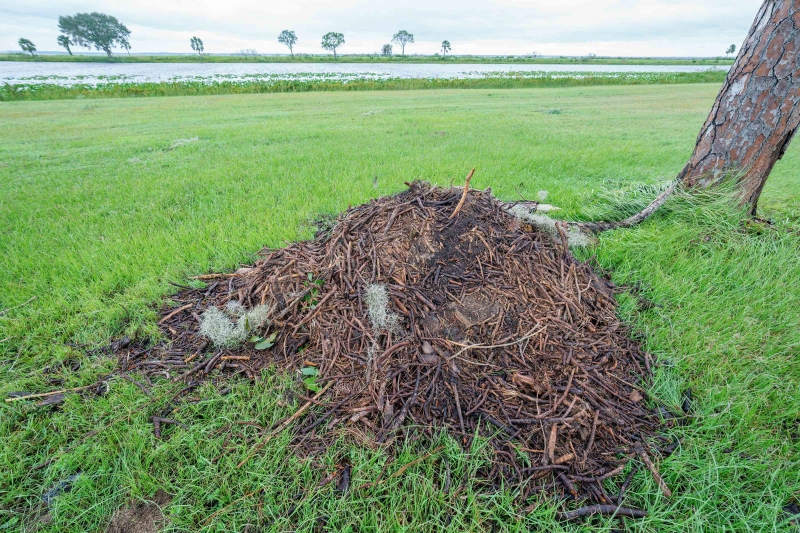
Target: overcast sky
{"x": 551, "y": 27}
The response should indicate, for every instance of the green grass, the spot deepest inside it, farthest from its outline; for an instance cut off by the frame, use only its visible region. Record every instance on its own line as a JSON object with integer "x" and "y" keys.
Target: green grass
{"x": 367, "y": 58}
{"x": 101, "y": 208}
{"x": 280, "y": 84}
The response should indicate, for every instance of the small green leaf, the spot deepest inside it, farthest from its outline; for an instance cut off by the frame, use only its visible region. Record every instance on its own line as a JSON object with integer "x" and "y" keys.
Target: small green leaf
{"x": 269, "y": 342}
{"x": 256, "y": 338}
{"x": 309, "y": 371}
{"x": 311, "y": 384}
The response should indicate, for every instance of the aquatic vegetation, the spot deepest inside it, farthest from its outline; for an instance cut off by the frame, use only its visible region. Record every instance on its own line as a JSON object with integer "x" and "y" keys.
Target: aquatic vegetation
{"x": 59, "y": 87}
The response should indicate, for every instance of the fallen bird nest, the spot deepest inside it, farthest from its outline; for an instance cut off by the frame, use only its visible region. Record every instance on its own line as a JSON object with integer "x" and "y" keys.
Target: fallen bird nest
{"x": 433, "y": 310}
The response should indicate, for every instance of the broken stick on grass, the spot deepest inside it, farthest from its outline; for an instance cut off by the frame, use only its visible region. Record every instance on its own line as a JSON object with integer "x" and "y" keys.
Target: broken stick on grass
{"x": 406, "y": 466}
{"x": 26, "y": 302}
{"x": 283, "y": 425}
{"x": 92, "y": 433}
{"x": 44, "y": 394}
{"x": 653, "y": 470}
{"x": 612, "y": 510}
{"x": 158, "y": 420}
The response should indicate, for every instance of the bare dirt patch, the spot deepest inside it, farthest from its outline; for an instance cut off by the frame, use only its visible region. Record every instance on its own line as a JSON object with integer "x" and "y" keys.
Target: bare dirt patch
{"x": 141, "y": 517}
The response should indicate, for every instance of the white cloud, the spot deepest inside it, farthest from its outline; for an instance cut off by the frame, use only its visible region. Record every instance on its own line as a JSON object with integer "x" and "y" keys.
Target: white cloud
{"x": 604, "y": 27}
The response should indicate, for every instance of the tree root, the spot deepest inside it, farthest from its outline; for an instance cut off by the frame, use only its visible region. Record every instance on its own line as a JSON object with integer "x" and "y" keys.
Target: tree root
{"x": 638, "y": 218}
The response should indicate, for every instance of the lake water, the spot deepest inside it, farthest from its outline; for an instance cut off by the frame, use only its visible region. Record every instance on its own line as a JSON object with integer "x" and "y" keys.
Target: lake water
{"x": 22, "y": 72}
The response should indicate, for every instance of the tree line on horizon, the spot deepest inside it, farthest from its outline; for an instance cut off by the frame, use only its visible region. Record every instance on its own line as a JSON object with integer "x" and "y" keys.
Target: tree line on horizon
{"x": 331, "y": 41}
{"x": 103, "y": 32}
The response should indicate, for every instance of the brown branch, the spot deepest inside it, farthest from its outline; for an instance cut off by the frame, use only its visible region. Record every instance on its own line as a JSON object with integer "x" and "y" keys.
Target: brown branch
{"x": 602, "y": 510}
{"x": 92, "y": 433}
{"x": 406, "y": 466}
{"x": 32, "y": 298}
{"x": 491, "y": 346}
{"x": 283, "y": 425}
{"x": 638, "y": 218}
{"x": 214, "y": 276}
{"x": 44, "y": 394}
{"x": 175, "y": 312}
{"x": 463, "y": 194}
{"x": 653, "y": 470}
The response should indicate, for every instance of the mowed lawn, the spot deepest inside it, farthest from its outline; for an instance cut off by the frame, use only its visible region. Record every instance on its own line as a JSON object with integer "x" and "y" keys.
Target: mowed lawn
{"x": 104, "y": 202}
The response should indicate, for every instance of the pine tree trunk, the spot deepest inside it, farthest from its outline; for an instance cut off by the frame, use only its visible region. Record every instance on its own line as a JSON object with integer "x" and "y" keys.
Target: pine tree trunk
{"x": 756, "y": 112}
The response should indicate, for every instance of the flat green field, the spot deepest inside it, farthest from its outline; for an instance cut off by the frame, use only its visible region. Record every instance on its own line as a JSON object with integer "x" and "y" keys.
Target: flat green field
{"x": 103, "y": 203}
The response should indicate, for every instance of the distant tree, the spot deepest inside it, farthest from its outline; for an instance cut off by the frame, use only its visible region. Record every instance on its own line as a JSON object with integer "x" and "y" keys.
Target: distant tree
{"x": 95, "y": 29}
{"x": 331, "y": 41}
{"x": 534, "y": 55}
{"x": 386, "y": 50}
{"x": 288, "y": 38}
{"x": 403, "y": 38}
{"x": 731, "y": 49}
{"x": 445, "y": 47}
{"x": 64, "y": 42}
{"x": 197, "y": 45}
{"x": 27, "y": 46}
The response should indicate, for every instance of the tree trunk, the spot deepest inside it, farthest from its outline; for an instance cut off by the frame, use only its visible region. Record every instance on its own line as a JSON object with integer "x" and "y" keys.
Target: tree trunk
{"x": 756, "y": 112}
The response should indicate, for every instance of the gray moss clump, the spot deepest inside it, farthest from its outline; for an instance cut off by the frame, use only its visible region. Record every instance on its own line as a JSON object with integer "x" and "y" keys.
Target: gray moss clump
{"x": 377, "y": 299}
{"x": 230, "y": 328}
{"x": 544, "y": 223}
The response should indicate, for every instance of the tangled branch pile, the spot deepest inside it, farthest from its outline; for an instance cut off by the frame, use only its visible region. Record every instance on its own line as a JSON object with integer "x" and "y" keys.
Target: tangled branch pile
{"x": 414, "y": 319}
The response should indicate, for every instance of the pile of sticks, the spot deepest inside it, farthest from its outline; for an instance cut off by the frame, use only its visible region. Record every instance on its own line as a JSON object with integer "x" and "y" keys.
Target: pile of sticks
{"x": 495, "y": 330}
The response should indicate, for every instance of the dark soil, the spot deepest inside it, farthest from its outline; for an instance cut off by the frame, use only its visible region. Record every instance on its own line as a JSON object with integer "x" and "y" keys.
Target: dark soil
{"x": 141, "y": 517}
{"x": 500, "y": 332}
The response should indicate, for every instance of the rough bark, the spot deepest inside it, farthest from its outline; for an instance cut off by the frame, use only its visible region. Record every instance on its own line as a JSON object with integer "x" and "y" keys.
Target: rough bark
{"x": 756, "y": 112}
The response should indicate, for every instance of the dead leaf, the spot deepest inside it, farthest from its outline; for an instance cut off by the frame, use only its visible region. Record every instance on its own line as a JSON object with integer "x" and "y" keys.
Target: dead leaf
{"x": 55, "y": 399}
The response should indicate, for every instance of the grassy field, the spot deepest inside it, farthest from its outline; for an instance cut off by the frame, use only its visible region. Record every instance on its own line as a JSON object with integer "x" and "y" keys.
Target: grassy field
{"x": 44, "y": 90}
{"x": 104, "y": 202}
{"x": 367, "y": 58}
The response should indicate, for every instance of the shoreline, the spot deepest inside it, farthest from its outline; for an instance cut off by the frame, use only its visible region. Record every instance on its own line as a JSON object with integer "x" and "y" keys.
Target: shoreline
{"x": 196, "y": 88}
{"x": 367, "y": 58}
